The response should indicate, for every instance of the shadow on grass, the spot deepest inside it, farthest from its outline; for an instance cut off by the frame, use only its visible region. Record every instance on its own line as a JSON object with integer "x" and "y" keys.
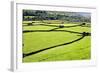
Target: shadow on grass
{"x": 27, "y": 31}
{"x": 31, "y": 53}
{"x": 82, "y": 34}
{"x": 53, "y": 25}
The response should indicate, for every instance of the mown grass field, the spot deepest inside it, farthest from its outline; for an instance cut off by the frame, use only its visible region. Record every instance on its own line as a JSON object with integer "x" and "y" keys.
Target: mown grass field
{"x": 34, "y": 41}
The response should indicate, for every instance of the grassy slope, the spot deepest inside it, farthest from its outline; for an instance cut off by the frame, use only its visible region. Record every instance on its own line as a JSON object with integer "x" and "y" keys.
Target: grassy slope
{"x": 75, "y": 51}
{"x": 38, "y": 40}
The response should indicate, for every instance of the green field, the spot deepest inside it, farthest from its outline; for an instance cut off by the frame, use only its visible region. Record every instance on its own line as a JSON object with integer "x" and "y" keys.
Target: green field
{"x": 38, "y": 37}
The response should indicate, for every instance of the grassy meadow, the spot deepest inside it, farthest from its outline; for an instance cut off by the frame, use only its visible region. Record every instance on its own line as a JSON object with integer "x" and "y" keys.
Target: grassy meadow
{"x": 34, "y": 40}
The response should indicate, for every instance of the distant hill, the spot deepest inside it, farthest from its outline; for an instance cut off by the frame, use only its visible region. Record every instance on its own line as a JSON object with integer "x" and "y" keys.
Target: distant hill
{"x": 57, "y": 15}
